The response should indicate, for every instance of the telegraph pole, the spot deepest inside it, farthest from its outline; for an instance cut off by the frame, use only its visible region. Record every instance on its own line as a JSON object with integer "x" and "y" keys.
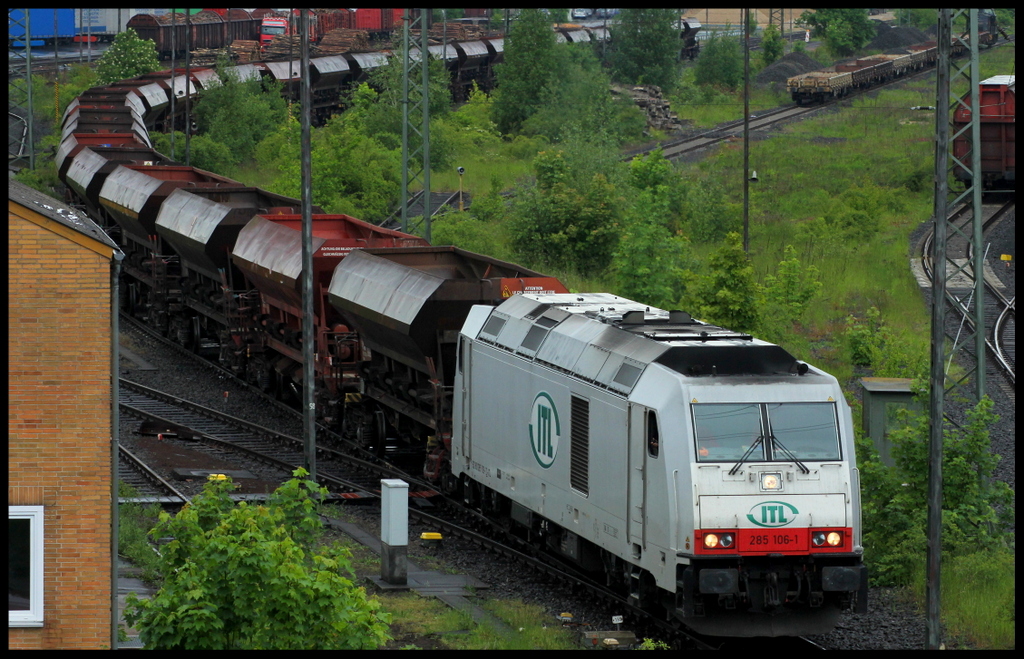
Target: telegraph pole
{"x": 308, "y": 317}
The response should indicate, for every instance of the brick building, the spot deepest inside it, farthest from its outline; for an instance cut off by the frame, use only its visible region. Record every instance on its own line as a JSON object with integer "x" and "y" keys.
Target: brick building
{"x": 60, "y": 426}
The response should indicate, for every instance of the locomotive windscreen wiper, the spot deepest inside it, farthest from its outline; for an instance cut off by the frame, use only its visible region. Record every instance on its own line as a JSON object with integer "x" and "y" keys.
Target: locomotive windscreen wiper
{"x": 743, "y": 458}
{"x": 789, "y": 454}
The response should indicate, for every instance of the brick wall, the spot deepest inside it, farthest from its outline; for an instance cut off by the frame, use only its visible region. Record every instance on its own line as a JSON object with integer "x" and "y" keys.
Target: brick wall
{"x": 59, "y": 427}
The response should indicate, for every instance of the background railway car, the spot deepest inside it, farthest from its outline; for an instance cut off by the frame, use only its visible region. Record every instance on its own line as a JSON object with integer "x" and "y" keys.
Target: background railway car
{"x": 45, "y": 26}
{"x": 705, "y": 473}
{"x": 998, "y": 98}
{"x": 378, "y": 22}
{"x": 329, "y": 76}
{"x": 159, "y": 30}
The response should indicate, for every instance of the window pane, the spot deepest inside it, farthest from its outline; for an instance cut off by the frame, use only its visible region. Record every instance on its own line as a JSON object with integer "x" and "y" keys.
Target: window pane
{"x": 725, "y": 432}
{"x": 808, "y": 430}
{"x": 19, "y": 561}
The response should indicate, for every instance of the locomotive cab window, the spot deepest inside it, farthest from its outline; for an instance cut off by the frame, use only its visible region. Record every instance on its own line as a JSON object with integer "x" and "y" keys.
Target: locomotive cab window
{"x": 769, "y": 431}
{"x": 653, "y": 440}
{"x": 809, "y": 431}
{"x": 725, "y": 432}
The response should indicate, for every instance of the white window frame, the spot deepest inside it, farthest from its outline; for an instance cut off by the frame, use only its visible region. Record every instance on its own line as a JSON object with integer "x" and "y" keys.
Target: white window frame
{"x": 34, "y": 616}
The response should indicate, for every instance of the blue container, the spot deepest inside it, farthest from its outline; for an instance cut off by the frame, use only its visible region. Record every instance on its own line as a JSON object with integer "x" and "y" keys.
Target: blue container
{"x": 42, "y": 25}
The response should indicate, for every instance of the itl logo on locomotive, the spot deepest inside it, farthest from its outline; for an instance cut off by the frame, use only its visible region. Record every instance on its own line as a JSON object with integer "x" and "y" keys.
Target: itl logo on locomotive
{"x": 772, "y": 514}
{"x": 545, "y": 430}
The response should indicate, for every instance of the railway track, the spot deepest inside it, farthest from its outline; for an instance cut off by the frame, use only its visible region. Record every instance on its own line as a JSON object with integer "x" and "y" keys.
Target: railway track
{"x": 345, "y": 476}
{"x": 349, "y": 477}
{"x": 1000, "y": 325}
{"x": 733, "y": 130}
{"x": 150, "y": 486}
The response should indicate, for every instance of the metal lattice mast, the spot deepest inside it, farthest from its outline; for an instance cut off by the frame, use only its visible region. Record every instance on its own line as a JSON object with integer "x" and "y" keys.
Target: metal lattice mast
{"x": 21, "y": 123}
{"x": 415, "y": 158}
{"x": 967, "y": 73}
{"x": 945, "y": 269}
{"x": 775, "y": 17}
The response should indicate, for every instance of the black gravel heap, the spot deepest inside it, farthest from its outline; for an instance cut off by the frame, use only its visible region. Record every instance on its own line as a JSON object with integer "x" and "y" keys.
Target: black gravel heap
{"x": 786, "y": 67}
{"x": 889, "y": 38}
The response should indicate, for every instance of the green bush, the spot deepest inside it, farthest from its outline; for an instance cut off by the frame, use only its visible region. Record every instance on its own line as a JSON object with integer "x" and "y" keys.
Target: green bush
{"x": 247, "y": 577}
{"x": 977, "y": 511}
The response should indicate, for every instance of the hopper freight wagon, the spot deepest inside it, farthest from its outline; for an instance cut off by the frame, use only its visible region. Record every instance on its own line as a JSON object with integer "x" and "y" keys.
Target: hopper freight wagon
{"x": 267, "y": 346}
{"x": 408, "y": 306}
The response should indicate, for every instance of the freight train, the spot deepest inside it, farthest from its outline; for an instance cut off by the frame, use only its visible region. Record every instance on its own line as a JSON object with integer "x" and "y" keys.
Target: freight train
{"x": 842, "y": 79}
{"x": 707, "y": 475}
{"x": 998, "y": 102}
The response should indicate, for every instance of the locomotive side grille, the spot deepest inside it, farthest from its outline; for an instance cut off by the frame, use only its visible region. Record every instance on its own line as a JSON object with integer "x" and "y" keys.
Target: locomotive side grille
{"x": 579, "y": 449}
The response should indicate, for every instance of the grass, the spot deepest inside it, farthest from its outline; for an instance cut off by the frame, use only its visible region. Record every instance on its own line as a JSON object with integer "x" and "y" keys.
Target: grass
{"x": 427, "y": 622}
{"x": 978, "y": 594}
{"x": 415, "y": 617}
{"x": 134, "y": 523}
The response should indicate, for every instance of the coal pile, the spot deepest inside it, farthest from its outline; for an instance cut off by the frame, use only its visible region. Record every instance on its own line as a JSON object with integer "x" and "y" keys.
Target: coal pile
{"x": 785, "y": 68}
{"x": 890, "y": 38}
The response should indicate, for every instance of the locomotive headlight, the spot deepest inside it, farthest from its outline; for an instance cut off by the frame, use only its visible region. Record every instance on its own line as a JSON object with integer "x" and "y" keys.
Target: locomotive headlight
{"x": 771, "y": 482}
{"x": 719, "y": 541}
{"x": 827, "y": 538}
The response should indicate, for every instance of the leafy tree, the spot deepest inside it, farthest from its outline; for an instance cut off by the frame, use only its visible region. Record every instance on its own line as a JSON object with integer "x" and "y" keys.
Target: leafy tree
{"x": 566, "y": 221}
{"x": 842, "y": 30}
{"x": 787, "y": 295}
{"x": 204, "y": 151}
{"x": 128, "y": 57}
{"x": 654, "y": 171}
{"x": 352, "y": 173}
{"x": 726, "y": 294}
{"x": 239, "y": 114}
{"x": 380, "y": 109}
{"x": 720, "y": 63}
{"x": 249, "y": 577}
{"x": 526, "y": 71}
{"x": 583, "y": 86}
{"x": 646, "y": 47}
{"x": 793, "y": 286}
{"x": 920, "y": 17}
{"x": 772, "y": 45}
{"x": 648, "y": 262}
{"x": 709, "y": 221}
{"x": 977, "y": 512}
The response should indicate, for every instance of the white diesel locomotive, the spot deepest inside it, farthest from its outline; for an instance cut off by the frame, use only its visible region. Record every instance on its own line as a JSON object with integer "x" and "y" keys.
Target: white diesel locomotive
{"x": 703, "y": 471}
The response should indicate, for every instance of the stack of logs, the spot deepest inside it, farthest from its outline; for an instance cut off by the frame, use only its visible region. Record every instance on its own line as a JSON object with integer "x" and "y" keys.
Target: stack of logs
{"x": 343, "y": 40}
{"x": 457, "y": 31}
{"x": 649, "y": 99}
{"x": 206, "y": 56}
{"x": 283, "y": 47}
{"x": 244, "y": 51}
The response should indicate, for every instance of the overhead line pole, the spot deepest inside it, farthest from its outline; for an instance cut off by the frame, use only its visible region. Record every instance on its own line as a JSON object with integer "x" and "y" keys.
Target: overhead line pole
{"x": 938, "y": 337}
{"x": 746, "y": 131}
{"x": 308, "y": 318}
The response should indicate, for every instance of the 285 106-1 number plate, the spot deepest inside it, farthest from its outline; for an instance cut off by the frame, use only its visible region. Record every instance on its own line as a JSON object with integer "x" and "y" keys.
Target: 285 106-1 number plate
{"x": 772, "y": 540}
